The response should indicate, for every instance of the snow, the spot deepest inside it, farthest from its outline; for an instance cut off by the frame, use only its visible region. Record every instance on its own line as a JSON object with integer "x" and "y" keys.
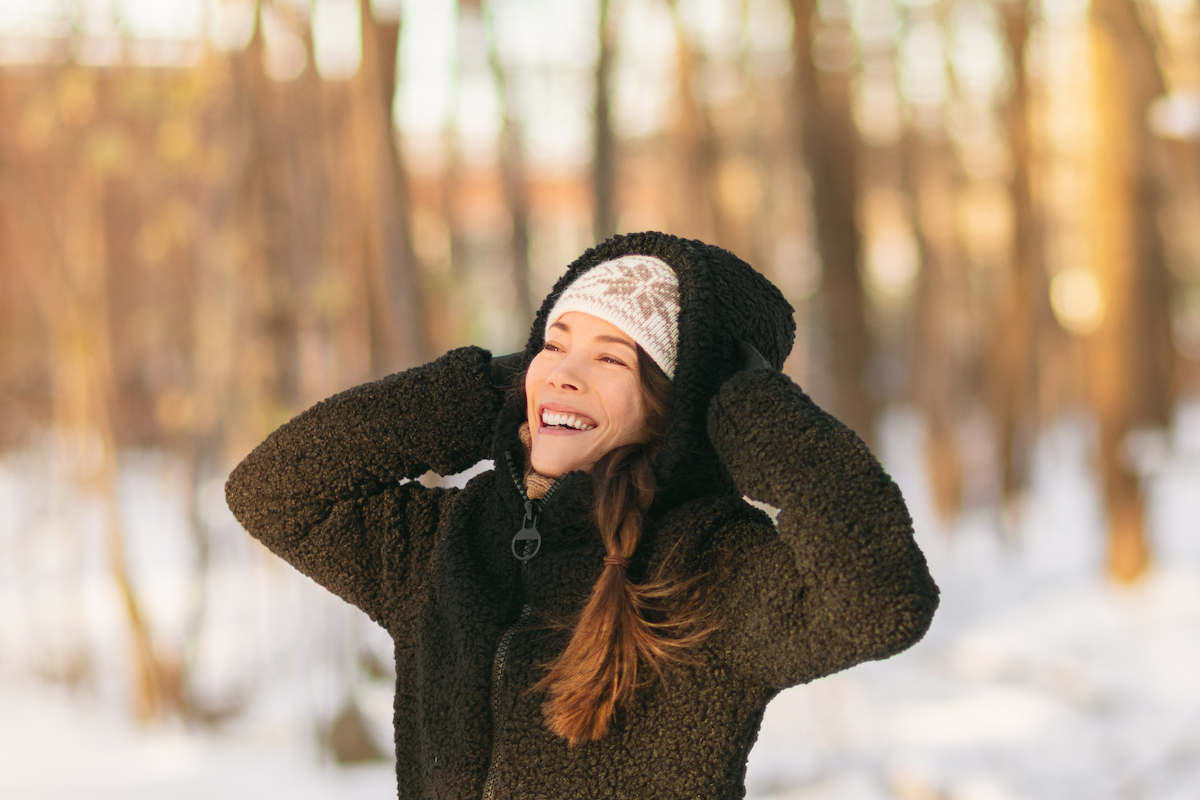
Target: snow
{"x": 55, "y": 746}
{"x": 1039, "y": 678}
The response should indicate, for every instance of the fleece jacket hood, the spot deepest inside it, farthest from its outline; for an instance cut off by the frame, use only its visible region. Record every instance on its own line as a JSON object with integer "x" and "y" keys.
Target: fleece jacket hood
{"x": 723, "y": 301}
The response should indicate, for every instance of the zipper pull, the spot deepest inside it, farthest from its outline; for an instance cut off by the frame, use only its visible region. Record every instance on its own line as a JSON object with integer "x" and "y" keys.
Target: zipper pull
{"x": 528, "y": 535}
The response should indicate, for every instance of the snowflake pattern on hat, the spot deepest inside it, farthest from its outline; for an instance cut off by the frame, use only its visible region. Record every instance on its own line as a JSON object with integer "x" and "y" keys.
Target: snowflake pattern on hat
{"x": 639, "y": 294}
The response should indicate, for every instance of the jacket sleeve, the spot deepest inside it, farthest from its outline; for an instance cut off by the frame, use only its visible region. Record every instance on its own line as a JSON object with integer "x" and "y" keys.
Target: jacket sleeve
{"x": 331, "y": 491}
{"x": 843, "y": 582}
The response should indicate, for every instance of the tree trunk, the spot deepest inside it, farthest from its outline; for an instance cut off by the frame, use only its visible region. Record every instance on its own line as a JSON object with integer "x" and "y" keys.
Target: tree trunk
{"x": 384, "y": 201}
{"x": 604, "y": 167}
{"x": 1022, "y": 327}
{"x": 452, "y": 190}
{"x": 513, "y": 176}
{"x": 294, "y": 189}
{"x": 68, "y": 279}
{"x": 829, "y": 141}
{"x": 941, "y": 333}
{"x": 695, "y": 207}
{"x": 1130, "y": 355}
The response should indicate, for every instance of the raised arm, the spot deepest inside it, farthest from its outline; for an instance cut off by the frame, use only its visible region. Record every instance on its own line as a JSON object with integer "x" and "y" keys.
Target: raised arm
{"x": 324, "y": 491}
{"x": 844, "y": 581}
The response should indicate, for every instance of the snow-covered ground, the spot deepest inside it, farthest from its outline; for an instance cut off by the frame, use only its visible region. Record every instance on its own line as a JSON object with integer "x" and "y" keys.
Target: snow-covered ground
{"x": 1039, "y": 679}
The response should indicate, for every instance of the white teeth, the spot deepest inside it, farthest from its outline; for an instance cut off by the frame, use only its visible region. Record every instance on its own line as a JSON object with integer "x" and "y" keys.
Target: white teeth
{"x": 570, "y": 420}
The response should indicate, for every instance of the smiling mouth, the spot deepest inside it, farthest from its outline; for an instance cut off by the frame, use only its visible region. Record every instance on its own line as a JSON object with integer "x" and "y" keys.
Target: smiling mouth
{"x": 565, "y": 421}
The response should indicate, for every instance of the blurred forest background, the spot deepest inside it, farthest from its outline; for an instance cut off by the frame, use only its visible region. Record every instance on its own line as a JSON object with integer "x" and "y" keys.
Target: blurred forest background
{"x": 214, "y": 213}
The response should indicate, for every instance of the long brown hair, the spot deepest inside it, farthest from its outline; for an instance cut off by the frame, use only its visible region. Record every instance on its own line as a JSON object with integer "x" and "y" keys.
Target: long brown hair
{"x": 627, "y": 632}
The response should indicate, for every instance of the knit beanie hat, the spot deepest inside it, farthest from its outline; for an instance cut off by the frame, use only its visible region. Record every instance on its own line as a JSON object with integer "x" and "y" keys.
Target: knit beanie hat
{"x": 639, "y": 294}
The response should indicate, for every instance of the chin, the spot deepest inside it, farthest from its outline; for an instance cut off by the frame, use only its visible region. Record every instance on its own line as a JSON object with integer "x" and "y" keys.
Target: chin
{"x": 555, "y": 468}
{"x": 552, "y": 470}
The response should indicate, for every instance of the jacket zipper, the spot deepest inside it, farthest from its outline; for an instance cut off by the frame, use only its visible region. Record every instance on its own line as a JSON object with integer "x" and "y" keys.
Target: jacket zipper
{"x": 530, "y": 541}
{"x": 489, "y": 786}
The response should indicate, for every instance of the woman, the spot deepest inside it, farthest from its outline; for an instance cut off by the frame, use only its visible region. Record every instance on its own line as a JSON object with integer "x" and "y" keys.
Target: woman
{"x": 601, "y": 615}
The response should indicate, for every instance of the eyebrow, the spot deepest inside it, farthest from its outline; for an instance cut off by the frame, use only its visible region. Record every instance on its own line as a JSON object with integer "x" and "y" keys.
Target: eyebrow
{"x": 602, "y": 337}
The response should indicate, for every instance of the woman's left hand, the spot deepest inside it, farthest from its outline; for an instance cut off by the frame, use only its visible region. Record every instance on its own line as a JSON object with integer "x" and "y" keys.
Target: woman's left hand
{"x": 843, "y": 581}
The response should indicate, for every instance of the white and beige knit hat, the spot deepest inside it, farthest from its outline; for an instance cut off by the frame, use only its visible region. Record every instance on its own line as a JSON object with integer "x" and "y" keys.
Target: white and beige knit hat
{"x": 638, "y": 294}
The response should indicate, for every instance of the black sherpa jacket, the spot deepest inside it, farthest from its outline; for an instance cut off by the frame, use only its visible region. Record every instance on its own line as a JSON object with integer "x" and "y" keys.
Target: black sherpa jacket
{"x": 837, "y": 581}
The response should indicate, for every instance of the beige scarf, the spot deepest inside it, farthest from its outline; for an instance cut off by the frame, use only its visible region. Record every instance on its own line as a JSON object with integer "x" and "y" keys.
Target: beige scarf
{"x": 536, "y": 485}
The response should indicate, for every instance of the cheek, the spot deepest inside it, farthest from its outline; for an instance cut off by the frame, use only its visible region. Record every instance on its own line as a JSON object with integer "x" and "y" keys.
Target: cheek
{"x": 534, "y": 377}
{"x": 537, "y": 371}
{"x": 628, "y": 409}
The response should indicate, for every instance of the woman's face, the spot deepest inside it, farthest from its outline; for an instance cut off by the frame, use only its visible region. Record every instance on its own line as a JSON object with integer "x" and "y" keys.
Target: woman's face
{"x": 583, "y": 394}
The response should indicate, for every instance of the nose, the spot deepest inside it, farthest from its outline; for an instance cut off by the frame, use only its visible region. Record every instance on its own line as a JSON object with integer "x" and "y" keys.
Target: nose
{"x": 567, "y": 375}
